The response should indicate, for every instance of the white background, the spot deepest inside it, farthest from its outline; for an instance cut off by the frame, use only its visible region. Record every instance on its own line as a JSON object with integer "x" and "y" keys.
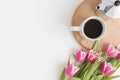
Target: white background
{"x": 35, "y": 40}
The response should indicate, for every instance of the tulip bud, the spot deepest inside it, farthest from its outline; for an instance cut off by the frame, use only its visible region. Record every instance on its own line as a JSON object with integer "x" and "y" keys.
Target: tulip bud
{"x": 92, "y": 56}
{"x": 111, "y": 51}
{"x": 81, "y": 56}
{"x": 107, "y": 69}
{"x": 71, "y": 70}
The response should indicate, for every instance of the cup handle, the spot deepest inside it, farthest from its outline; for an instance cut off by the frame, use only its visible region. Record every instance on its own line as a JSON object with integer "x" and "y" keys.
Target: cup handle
{"x": 75, "y": 28}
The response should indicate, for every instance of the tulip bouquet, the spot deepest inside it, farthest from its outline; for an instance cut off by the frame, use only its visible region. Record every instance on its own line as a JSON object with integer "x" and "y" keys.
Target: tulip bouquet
{"x": 93, "y": 65}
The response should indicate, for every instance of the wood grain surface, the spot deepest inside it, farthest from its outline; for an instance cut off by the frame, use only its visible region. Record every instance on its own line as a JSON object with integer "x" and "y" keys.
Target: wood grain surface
{"x": 87, "y": 9}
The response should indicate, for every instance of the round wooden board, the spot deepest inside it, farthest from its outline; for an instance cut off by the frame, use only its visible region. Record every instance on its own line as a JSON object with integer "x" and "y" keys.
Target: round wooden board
{"x": 87, "y": 9}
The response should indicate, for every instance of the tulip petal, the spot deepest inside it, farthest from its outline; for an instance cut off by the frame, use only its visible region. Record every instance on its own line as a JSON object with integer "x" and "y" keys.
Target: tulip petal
{"x": 119, "y": 56}
{"x": 111, "y": 51}
{"x": 71, "y": 70}
{"x": 92, "y": 56}
{"x": 81, "y": 56}
{"x": 107, "y": 69}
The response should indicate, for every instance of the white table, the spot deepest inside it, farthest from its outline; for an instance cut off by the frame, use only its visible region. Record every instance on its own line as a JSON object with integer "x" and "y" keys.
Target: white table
{"x": 35, "y": 40}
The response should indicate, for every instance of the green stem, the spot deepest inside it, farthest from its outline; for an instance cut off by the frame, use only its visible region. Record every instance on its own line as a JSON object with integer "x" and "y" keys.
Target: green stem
{"x": 84, "y": 70}
{"x": 118, "y": 64}
{"x": 91, "y": 71}
{"x": 99, "y": 77}
{"x": 77, "y": 64}
{"x": 81, "y": 68}
{"x": 66, "y": 78}
{"x": 115, "y": 76}
{"x": 113, "y": 60}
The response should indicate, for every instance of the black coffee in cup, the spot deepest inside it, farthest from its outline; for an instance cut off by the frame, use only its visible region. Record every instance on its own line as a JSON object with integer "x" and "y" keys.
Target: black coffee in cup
{"x": 93, "y": 28}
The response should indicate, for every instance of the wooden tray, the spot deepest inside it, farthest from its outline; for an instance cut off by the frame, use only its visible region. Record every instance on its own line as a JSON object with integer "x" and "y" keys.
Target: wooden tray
{"x": 88, "y": 8}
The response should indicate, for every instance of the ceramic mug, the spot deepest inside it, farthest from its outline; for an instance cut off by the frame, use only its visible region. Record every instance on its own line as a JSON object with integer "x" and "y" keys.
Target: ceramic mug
{"x": 93, "y": 28}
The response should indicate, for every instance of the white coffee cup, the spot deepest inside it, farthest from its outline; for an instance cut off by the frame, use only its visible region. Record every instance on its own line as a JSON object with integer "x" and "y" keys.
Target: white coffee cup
{"x": 93, "y": 28}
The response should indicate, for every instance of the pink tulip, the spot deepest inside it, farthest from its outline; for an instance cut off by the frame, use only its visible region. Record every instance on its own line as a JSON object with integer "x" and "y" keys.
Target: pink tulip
{"x": 92, "y": 56}
{"x": 111, "y": 51}
{"x": 107, "y": 69}
{"x": 71, "y": 70}
{"x": 119, "y": 56}
{"x": 81, "y": 56}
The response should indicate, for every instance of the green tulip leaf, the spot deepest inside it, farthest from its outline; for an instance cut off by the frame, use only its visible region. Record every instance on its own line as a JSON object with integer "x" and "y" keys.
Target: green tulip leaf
{"x": 69, "y": 60}
{"x": 113, "y": 77}
{"x": 96, "y": 46}
{"x": 91, "y": 70}
{"x": 118, "y": 64}
{"x": 62, "y": 77}
{"x": 99, "y": 77}
{"x": 75, "y": 78}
